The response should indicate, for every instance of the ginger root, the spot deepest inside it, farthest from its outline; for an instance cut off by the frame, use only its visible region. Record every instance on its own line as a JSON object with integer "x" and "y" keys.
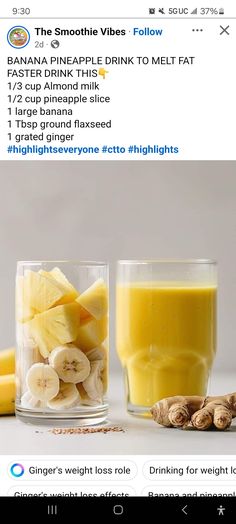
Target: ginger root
{"x": 199, "y": 412}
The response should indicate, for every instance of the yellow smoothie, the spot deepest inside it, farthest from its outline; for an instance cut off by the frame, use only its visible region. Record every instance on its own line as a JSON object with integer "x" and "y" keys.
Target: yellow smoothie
{"x": 166, "y": 338}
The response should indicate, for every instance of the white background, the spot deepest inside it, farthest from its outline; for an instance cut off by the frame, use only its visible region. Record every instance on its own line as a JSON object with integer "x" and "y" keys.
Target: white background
{"x": 133, "y": 8}
{"x": 191, "y": 107}
{"x": 139, "y": 482}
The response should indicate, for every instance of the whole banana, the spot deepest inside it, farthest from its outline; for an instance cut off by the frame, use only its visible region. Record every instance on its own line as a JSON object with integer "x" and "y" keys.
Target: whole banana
{"x": 7, "y": 394}
{"x": 7, "y": 381}
{"x": 7, "y": 361}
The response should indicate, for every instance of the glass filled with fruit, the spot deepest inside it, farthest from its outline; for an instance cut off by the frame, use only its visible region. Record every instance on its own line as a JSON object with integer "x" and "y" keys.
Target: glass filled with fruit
{"x": 165, "y": 328}
{"x": 62, "y": 341}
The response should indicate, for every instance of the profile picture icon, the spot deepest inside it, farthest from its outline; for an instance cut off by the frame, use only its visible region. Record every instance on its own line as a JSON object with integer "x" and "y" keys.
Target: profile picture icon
{"x": 18, "y": 37}
{"x": 17, "y": 470}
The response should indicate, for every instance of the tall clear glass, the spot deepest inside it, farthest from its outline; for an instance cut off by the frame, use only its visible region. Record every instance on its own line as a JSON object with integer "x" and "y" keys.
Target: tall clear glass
{"x": 165, "y": 328}
{"x": 62, "y": 342}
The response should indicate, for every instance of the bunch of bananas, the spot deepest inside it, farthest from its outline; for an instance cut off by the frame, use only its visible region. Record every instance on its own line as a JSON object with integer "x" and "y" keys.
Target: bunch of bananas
{"x": 7, "y": 381}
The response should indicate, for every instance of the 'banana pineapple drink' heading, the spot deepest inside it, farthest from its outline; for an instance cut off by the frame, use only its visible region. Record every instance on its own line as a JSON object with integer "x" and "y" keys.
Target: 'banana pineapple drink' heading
{"x": 61, "y": 337}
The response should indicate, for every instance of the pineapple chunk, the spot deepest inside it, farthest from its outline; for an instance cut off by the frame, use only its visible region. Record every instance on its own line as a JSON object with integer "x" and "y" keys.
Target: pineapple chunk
{"x": 59, "y": 325}
{"x": 24, "y": 310}
{"x": 84, "y": 315}
{"x": 42, "y": 293}
{"x": 92, "y": 333}
{"x": 44, "y": 340}
{"x": 56, "y": 276}
{"x": 95, "y": 299}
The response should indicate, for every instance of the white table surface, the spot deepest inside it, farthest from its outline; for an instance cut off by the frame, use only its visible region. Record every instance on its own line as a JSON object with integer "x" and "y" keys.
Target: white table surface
{"x": 141, "y": 436}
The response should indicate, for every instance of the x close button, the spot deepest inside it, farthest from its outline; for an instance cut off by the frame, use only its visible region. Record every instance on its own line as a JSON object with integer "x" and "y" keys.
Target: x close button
{"x": 224, "y": 30}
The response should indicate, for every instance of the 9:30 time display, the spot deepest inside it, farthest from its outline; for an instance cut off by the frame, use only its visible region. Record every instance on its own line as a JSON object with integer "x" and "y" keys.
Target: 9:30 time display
{"x": 21, "y": 11}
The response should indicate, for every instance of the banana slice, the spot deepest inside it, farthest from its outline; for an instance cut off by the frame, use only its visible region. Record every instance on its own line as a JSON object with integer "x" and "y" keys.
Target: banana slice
{"x": 67, "y": 397}
{"x": 29, "y": 402}
{"x": 99, "y": 353}
{"x": 25, "y": 361}
{"x": 93, "y": 384}
{"x": 85, "y": 399}
{"x": 42, "y": 382}
{"x": 28, "y": 352}
{"x": 70, "y": 363}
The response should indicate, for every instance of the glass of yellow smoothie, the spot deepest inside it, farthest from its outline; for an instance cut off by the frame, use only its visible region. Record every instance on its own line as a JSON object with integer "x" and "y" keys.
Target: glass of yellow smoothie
{"x": 165, "y": 328}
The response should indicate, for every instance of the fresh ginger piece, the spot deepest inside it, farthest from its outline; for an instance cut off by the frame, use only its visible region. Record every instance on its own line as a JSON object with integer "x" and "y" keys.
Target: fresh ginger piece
{"x": 199, "y": 412}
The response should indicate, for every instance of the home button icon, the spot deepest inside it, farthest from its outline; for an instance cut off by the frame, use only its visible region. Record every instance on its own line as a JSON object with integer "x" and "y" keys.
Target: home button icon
{"x": 118, "y": 509}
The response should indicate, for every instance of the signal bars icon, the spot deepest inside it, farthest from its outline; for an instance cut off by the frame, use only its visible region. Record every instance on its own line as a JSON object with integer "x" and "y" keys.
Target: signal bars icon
{"x": 194, "y": 12}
